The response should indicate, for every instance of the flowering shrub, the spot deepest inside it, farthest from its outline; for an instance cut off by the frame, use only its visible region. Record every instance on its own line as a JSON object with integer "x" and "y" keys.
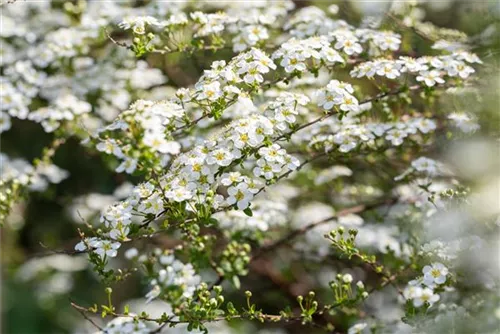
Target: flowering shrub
{"x": 297, "y": 178}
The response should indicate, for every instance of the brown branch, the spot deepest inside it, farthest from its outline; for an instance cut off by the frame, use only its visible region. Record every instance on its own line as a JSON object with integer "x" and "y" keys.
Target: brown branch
{"x": 266, "y": 317}
{"x": 123, "y": 45}
{"x": 83, "y": 311}
{"x": 50, "y": 252}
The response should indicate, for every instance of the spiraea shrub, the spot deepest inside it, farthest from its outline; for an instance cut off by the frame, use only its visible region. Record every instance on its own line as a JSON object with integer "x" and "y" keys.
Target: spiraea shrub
{"x": 259, "y": 166}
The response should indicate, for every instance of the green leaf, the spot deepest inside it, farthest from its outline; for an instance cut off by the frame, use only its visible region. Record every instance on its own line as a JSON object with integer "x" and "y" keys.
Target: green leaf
{"x": 236, "y": 282}
{"x": 248, "y": 212}
{"x": 231, "y": 309}
{"x": 211, "y": 221}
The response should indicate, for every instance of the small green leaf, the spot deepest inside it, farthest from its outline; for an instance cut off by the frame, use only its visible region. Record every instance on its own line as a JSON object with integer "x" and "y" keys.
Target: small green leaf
{"x": 236, "y": 282}
{"x": 248, "y": 212}
{"x": 231, "y": 309}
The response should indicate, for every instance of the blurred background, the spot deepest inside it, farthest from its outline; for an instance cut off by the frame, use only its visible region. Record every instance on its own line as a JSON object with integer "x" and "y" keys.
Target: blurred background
{"x": 36, "y": 289}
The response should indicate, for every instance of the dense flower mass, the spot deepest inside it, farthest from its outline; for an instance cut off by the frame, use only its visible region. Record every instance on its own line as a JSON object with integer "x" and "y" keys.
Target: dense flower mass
{"x": 337, "y": 168}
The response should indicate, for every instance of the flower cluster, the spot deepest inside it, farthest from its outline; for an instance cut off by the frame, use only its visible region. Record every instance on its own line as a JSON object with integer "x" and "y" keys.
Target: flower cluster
{"x": 426, "y": 165}
{"x": 294, "y": 55}
{"x": 348, "y": 134}
{"x": 64, "y": 43}
{"x": 170, "y": 275}
{"x": 145, "y": 128}
{"x": 429, "y": 70}
{"x": 338, "y": 94}
{"x": 284, "y": 110}
{"x": 104, "y": 248}
{"x": 273, "y": 161}
{"x": 50, "y": 57}
{"x": 464, "y": 122}
{"x": 421, "y": 291}
{"x": 223, "y": 83}
{"x": 254, "y": 21}
{"x": 20, "y": 84}
{"x": 138, "y": 24}
{"x": 193, "y": 174}
{"x": 36, "y": 178}
{"x": 65, "y": 108}
{"x": 210, "y": 24}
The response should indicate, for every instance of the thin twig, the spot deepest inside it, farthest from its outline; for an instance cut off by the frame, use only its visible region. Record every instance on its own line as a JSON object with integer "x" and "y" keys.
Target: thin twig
{"x": 124, "y": 45}
{"x": 83, "y": 311}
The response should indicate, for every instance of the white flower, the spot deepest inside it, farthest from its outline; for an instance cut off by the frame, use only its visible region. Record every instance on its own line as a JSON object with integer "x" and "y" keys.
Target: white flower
{"x": 153, "y": 204}
{"x": 139, "y": 23}
{"x": 254, "y": 33}
{"x": 5, "y": 123}
{"x": 347, "y": 278}
{"x": 240, "y": 195}
{"x": 273, "y": 153}
{"x": 424, "y": 164}
{"x": 156, "y": 140}
{"x": 240, "y": 139}
{"x": 228, "y": 179}
{"x": 349, "y": 103}
{"x": 424, "y": 295}
{"x": 220, "y": 157}
{"x": 326, "y": 100}
{"x": 155, "y": 292}
{"x": 107, "y": 248}
{"x": 396, "y": 136}
{"x": 110, "y": 146}
{"x": 464, "y": 122}
{"x": 179, "y": 194}
{"x": 348, "y": 43}
{"x": 412, "y": 290}
{"x": 411, "y": 65}
{"x": 252, "y": 74}
{"x": 389, "y": 69}
{"x": 430, "y": 78}
{"x": 81, "y": 246}
{"x": 143, "y": 190}
{"x": 357, "y": 329}
{"x": 126, "y": 325}
{"x": 425, "y": 125}
{"x": 345, "y": 141}
{"x": 174, "y": 274}
{"x": 266, "y": 169}
{"x": 387, "y": 40}
{"x": 293, "y": 62}
{"x": 71, "y": 103}
{"x": 131, "y": 253}
{"x": 463, "y": 70}
{"x": 210, "y": 92}
{"x": 128, "y": 165}
{"x": 333, "y": 9}
{"x": 435, "y": 274}
{"x": 338, "y": 93}
{"x": 291, "y": 162}
{"x": 330, "y": 55}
